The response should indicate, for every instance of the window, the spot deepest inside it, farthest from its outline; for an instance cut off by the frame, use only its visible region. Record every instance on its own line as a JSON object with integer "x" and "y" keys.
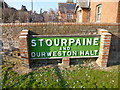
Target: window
{"x": 70, "y": 16}
{"x": 98, "y": 13}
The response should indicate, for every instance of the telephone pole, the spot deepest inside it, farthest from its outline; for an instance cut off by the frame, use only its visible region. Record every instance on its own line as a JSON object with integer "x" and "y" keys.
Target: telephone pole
{"x": 3, "y": 20}
{"x": 31, "y": 13}
{"x": 1, "y": 11}
{"x": 32, "y": 5}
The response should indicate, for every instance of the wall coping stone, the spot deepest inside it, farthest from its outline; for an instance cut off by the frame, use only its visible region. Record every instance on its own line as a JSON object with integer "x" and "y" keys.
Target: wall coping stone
{"x": 25, "y": 30}
{"x": 58, "y": 24}
{"x": 106, "y": 34}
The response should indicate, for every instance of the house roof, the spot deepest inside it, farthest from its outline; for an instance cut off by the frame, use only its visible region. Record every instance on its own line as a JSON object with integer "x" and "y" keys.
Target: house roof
{"x": 66, "y": 7}
{"x": 83, "y": 3}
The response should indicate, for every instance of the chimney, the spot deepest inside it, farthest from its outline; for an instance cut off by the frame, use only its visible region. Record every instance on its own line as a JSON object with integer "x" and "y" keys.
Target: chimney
{"x": 70, "y": 1}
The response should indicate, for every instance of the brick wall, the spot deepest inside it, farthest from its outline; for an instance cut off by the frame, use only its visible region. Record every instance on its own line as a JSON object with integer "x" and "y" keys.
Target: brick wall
{"x": 104, "y": 47}
{"x": 23, "y": 42}
{"x": 119, "y": 11}
{"x": 64, "y": 17}
{"x": 11, "y": 33}
{"x": 85, "y": 15}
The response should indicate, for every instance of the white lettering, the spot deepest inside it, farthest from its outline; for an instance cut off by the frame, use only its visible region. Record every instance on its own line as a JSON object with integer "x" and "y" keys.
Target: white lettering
{"x": 33, "y": 43}
{"x": 84, "y": 41}
{"x": 68, "y": 48}
{"x": 55, "y": 53}
{"x": 49, "y": 42}
{"x": 60, "y": 48}
{"x": 32, "y": 54}
{"x": 74, "y": 53}
{"x": 91, "y": 53}
{"x": 78, "y": 42}
{"x": 41, "y": 41}
{"x": 59, "y": 53}
{"x": 81, "y": 52}
{"x": 71, "y": 41}
{"x": 96, "y": 51}
{"x": 87, "y": 53}
{"x": 38, "y": 54}
{"x": 64, "y": 53}
{"x": 49, "y": 53}
{"x": 95, "y": 42}
{"x": 89, "y": 41}
{"x": 57, "y": 42}
{"x": 69, "y": 53}
{"x": 63, "y": 42}
{"x": 64, "y": 48}
{"x": 43, "y": 54}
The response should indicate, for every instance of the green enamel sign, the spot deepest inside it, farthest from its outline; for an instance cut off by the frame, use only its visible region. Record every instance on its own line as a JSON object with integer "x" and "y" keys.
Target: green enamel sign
{"x": 47, "y": 47}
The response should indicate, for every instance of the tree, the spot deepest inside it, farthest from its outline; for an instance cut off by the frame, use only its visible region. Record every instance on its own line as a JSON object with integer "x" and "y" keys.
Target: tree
{"x": 45, "y": 16}
{"x": 23, "y": 8}
{"x": 23, "y": 16}
{"x": 50, "y": 16}
{"x": 4, "y": 4}
{"x": 9, "y": 15}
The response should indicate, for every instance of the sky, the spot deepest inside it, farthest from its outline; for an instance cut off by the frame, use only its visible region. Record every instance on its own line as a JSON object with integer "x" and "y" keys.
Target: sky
{"x": 37, "y": 4}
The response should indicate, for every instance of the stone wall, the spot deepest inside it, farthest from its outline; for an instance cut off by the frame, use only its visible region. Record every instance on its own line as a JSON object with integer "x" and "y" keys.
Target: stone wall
{"x": 11, "y": 33}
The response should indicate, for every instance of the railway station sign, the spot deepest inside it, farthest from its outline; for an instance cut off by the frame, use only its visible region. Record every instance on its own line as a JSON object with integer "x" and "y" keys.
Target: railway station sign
{"x": 49, "y": 47}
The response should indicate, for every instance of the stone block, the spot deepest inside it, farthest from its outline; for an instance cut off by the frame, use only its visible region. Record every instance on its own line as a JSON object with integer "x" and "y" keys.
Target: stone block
{"x": 66, "y": 61}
